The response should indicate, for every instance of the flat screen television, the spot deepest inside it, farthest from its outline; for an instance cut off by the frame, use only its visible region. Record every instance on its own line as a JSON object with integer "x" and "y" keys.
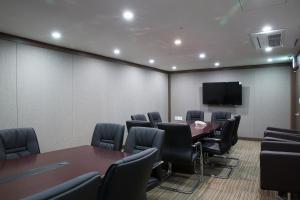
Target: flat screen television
{"x": 222, "y": 93}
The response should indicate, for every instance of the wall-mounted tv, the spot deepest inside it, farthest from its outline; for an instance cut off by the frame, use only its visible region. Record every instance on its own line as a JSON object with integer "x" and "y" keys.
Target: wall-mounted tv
{"x": 222, "y": 93}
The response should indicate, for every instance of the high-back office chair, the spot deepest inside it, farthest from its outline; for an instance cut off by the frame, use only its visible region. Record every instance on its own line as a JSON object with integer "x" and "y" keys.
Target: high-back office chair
{"x": 279, "y": 166}
{"x": 154, "y": 118}
{"x": 108, "y": 136}
{"x": 17, "y": 143}
{"x": 137, "y": 123}
{"x": 140, "y": 139}
{"x": 140, "y": 117}
{"x": 235, "y": 137}
{"x": 127, "y": 178}
{"x": 194, "y": 115}
{"x": 179, "y": 150}
{"x": 221, "y": 145}
{"x": 82, "y": 187}
{"x": 220, "y": 117}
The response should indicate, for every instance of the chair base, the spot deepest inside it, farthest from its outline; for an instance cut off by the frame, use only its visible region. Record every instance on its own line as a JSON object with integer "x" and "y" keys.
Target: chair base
{"x": 229, "y": 158}
{"x": 289, "y": 196}
{"x": 197, "y": 169}
{"x": 223, "y": 166}
{"x": 195, "y": 185}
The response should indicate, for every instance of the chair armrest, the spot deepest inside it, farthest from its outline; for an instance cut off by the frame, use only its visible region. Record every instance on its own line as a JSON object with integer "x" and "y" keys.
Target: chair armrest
{"x": 281, "y": 135}
{"x": 280, "y": 146}
{"x": 283, "y": 130}
{"x": 211, "y": 139}
{"x": 157, "y": 164}
{"x": 280, "y": 171}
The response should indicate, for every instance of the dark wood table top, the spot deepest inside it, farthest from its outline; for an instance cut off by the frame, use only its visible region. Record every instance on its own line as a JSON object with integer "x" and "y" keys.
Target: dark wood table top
{"x": 80, "y": 160}
{"x": 198, "y": 131}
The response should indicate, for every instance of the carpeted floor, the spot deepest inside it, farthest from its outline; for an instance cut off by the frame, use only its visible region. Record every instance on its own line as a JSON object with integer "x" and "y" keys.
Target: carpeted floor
{"x": 242, "y": 185}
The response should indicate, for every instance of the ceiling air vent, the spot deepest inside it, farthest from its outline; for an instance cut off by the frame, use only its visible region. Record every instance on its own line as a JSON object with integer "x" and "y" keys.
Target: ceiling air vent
{"x": 267, "y": 39}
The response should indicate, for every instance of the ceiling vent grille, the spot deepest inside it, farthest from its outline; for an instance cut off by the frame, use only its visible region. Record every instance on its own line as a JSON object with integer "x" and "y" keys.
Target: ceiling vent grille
{"x": 274, "y": 40}
{"x": 267, "y": 39}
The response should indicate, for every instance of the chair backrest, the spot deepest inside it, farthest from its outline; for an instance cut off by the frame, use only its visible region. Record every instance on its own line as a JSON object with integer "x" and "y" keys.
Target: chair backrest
{"x": 178, "y": 143}
{"x": 85, "y": 186}
{"x": 17, "y": 143}
{"x": 127, "y": 178}
{"x": 194, "y": 115}
{"x": 220, "y": 116}
{"x": 136, "y": 123}
{"x": 237, "y": 120}
{"x": 154, "y": 118}
{"x": 141, "y": 138}
{"x": 140, "y": 117}
{"x": 226, "y": 135}
{"x": 108, "y": 136}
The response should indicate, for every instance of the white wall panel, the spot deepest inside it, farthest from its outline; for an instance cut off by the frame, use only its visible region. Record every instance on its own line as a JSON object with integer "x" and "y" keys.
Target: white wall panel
{"x": 8, "y": 96}
{"x": 110, "y": 92}
{"x": 266, "y": 97}
{"x": 45, "y": 95}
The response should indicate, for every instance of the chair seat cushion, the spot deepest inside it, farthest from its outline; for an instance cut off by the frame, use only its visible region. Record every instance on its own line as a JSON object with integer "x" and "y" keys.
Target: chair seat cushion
{"x": 277, "y": 139}
{"x": 211, "y": 147}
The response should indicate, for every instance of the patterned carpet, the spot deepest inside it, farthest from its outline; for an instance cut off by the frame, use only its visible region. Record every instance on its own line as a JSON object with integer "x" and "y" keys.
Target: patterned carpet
{"x": 243, "y": 184}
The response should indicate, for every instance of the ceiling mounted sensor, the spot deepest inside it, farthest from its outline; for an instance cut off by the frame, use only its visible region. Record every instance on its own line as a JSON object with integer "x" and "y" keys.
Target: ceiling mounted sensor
{"x": 263, "y": 40}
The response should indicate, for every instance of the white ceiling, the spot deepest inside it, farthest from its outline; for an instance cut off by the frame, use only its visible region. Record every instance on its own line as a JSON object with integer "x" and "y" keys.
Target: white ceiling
{"x": 220, "y": 28}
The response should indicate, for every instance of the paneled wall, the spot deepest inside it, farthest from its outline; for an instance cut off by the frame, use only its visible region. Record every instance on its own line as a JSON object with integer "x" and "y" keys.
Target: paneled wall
{"x": 63, "y": 95}
{"x": 266, "y": 96}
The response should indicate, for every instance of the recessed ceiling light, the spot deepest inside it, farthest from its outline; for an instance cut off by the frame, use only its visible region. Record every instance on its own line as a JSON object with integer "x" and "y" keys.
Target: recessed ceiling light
{"x": 56, "y": 35}
{"x": 128, "y": 15}
{"x": 266, "y": 28}
{"x": 117, "y": 51}
{"x": 151, "y": 61}
{"x": 202, "y": 55}
{"x": 217, "y": 64}
{"x": 177, "y": 42}
{"x": 174, "y": 67}
{"x": 268, "y": 49}
{"x": 270, "y": 60}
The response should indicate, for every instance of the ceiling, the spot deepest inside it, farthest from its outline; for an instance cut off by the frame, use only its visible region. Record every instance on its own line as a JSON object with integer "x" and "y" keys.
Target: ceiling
{"x": 220, "y": 28}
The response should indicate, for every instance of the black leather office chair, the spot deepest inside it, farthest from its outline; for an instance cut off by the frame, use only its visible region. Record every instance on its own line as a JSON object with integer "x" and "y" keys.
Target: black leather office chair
{"x": 140, "y": 139}
{"x": 279, "y": 166}
{"x": 194, "y": 115}
{"x": 154, "y": 118}
{"x": 283, "y": 130}
{"x": 108, "y": 136}
{"x": 221, "y": 145}
{"x": 140, "y": 117}
{"x": 127, "y": 178}
{"x": 179, "y": 150}
{"x": 137, "y": 123}
{"x": 17, "y": 143}
{"x": 235, "y": 136}
{"x": 220, "y": 117}
{"x": 82, "y": 187}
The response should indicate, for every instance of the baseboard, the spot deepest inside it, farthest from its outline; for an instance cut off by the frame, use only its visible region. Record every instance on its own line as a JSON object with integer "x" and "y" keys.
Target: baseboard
{"x": 251, "y": 139}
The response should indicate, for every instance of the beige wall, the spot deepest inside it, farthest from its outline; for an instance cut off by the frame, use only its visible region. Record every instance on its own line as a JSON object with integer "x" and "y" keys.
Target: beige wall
{"x": 63, "y": 96}
{"x": 266, "y": 96}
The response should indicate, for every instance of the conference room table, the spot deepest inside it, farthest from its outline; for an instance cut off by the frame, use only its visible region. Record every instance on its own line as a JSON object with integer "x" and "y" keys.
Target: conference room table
{"x": 25, "y": 176}
{"x": 201, "y": 131}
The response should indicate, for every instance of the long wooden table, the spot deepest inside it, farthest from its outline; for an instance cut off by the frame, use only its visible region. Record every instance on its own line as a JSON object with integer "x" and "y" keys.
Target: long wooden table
{"x": 26, "y": 176}
{"x": 198, "y": 131}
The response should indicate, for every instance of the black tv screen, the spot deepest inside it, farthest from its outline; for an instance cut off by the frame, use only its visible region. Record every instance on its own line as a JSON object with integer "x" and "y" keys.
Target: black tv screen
{"x": 222, "y": 93}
